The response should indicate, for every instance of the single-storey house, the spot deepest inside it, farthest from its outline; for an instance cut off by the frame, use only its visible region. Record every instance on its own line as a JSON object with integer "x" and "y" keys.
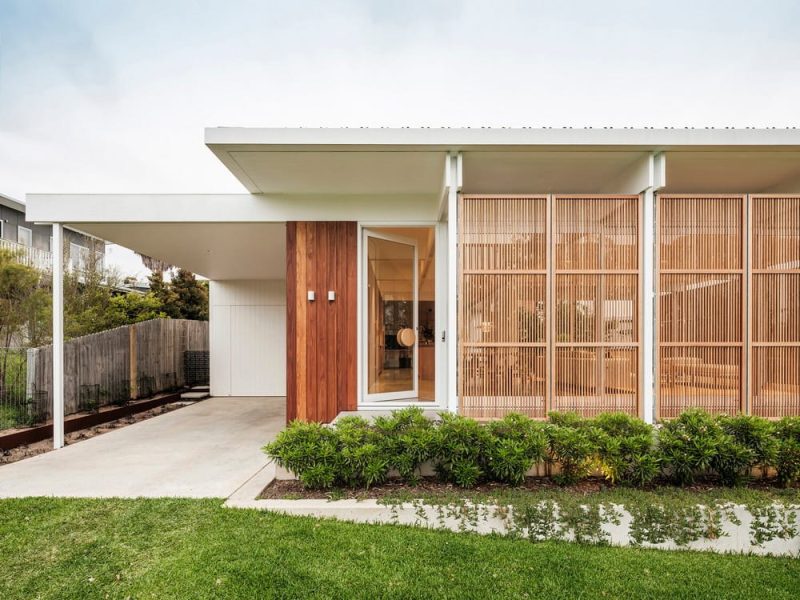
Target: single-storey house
{"x": 488, "y": 270}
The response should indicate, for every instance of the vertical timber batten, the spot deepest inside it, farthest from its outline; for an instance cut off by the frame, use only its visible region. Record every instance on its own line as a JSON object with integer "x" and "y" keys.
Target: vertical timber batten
{"x": 321, "y": 369}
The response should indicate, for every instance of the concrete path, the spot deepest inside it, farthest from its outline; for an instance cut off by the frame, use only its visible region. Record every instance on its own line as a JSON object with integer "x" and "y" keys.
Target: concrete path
{"x": 207, "y": 450}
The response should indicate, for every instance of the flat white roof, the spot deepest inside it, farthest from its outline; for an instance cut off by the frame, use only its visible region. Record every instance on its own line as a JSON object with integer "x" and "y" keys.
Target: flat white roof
{"x": 466, "y": 139}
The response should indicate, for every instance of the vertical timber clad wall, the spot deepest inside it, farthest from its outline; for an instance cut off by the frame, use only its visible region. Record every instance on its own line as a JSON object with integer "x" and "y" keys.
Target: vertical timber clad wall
{"x": 701, "y": 300}
{"x": 774, "y": 306}
{"x": 511, "y": 340}
{"x": 321, "y": 352}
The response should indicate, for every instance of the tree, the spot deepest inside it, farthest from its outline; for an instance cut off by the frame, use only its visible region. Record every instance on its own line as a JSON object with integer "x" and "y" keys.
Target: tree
{"x": 191, "y": 296}
{"x": 163, "y": 292}
{"x": 125, "y": 309}
{"x": 24, "y": 303}
{"x": 87, "y": 297}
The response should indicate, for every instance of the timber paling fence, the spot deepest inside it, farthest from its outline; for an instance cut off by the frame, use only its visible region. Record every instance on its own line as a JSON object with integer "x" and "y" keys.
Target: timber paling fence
{"x": 107, "y": 368}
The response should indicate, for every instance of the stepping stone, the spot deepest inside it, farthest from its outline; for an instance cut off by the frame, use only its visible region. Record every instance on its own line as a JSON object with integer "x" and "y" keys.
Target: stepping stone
{"x": 194, "y": 395}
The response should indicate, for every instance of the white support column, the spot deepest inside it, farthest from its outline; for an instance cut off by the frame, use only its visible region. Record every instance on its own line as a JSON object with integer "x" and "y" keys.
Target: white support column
{"x": 58, "y": 335}
{"x": 648, "y": 319}
{"x": 649, "y": 266}
{"x": 454, "y": 186}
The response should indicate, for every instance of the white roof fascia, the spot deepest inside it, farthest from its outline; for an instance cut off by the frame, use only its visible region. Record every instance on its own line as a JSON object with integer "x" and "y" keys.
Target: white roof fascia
{"x": 229, "y": 139}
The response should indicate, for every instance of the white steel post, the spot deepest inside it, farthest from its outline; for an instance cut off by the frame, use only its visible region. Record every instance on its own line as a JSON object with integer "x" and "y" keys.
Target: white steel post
{"x": 58, "y": 335}
{"x": 657, "y": 180}
{"x": 648, "y": 319}
{"x": 452, "y": 281}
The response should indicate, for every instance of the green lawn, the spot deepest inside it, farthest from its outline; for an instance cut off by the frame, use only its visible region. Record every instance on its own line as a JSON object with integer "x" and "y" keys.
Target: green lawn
{"x": 55, "y": 548}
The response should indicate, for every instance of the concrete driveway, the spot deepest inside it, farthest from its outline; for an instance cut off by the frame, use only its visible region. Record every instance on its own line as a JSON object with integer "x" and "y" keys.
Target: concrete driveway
{"x": 206, "y": 450}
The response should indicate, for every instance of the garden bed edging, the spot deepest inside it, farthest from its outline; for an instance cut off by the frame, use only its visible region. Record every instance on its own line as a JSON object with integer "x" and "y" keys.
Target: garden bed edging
{"x": 735, "y": 533}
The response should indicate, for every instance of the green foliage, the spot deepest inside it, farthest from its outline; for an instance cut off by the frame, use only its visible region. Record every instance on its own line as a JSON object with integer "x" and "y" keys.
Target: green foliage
{"x": 732, "y": 461}
{"x": 574, "y": 449}
{"x": 626, "y": 449}
{"x": 356, "y": 453}
{"x": 787, "y": 454}
{"x": 515, "y": 444}
{"x": 183, "y": 297}
{"x": 755, "y": 434}
{"x": 362, "y": 459}
{"x": 688, "y": 445}
{"x": 460, "y": 445}
{"x": 349, "y": 453}
{"x": 408, "y": 440}
{"x": 24, "y": 303}
{"x": 697, "y": 444}
{"x": 310, "y": 451}
{"x": 125, "y": 309}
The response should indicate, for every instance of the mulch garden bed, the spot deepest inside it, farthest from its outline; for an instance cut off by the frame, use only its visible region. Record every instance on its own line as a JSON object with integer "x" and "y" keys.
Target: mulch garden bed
{"x": 28, "y": 450}
{"x": 292, "y": 489}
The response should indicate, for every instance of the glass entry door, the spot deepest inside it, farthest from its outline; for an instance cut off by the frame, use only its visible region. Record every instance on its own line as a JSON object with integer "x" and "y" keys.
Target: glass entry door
{"x": 391, "y": 313}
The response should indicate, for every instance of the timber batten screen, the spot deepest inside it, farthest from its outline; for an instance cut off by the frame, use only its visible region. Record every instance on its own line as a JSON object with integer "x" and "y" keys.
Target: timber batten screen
{"x": 515, "y": 352}
{"x": 596, "y": 309}
{"x": 503, "y": 308}
{"x": 774, "y": 306}
{"x": 701, "y": 285}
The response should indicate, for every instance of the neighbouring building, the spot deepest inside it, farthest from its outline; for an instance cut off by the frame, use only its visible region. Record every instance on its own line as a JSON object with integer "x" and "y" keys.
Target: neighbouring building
{"x": 33, "y": 242}
{"x": 488, "y": 270}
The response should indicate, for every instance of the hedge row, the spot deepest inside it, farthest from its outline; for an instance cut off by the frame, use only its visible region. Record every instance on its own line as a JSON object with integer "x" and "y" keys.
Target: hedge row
{"x": 356, "y": 453}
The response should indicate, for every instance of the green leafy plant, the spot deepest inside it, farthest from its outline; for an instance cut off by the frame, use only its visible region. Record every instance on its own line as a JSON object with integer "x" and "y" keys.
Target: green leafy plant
{"x": 787, "y": 452}
{"x": 409, "y": 439}
{"x": 363, "y": 459}
{"x": 310, "y": 451}
{"x": 688, "y": 445}
{"x": 626, "y": 449}
{"x": 732, "y": 461}
{"x": 515, "y": 444}
{"x": 756, "y": 434}
{"x": 460, "y": 445}
{"x": 574, "y": 449}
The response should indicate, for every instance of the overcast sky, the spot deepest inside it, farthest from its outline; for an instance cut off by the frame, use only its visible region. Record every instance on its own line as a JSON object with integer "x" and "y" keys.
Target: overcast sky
{"x": 113, "y": 96}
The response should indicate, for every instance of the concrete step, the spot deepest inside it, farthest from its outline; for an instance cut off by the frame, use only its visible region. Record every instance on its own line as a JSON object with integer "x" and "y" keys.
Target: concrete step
{"x": 194, "y": 395}
{"x": 199, "y": 388}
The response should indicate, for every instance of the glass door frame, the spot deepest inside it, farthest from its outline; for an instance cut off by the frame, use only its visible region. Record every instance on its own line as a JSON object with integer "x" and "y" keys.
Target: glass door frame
{"x": 413, "y": 393}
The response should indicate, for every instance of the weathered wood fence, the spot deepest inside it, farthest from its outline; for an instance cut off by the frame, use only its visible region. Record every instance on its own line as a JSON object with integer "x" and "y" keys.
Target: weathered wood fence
{"x": 114, "y": 366}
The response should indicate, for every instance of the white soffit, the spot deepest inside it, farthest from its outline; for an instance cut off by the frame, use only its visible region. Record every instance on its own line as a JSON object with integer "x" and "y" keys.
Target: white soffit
{"x": 217, "y": 251}
{"x": 357, "y": 173}
{"x": 732, "y": 172}
{"x": 552, "y": 172}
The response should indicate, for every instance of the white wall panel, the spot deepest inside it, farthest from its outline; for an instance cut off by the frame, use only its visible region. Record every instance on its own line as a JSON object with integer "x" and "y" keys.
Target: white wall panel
{"x": 220, "y": 349}
{"x": 248, "y": 337}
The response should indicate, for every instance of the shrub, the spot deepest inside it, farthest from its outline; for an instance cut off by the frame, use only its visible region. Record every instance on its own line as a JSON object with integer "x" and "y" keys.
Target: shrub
{"x": 688, "y": 444}
{"x": 732, "y": 461}
{"x": 460, "y": 450}
{"x": 409, "y": 439}
{"x": 756, "y": 434}
{"x": 626, "y": 449}
{"x": 363, "y": 459}
{"x": 695, "y": 443}
{"x": 515, "y": 444}
{"x": 575, "y": 448}
{"x": 310, "y": 451}
{"x": 787, "y": 454}
{"x": 567, "y": 419}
